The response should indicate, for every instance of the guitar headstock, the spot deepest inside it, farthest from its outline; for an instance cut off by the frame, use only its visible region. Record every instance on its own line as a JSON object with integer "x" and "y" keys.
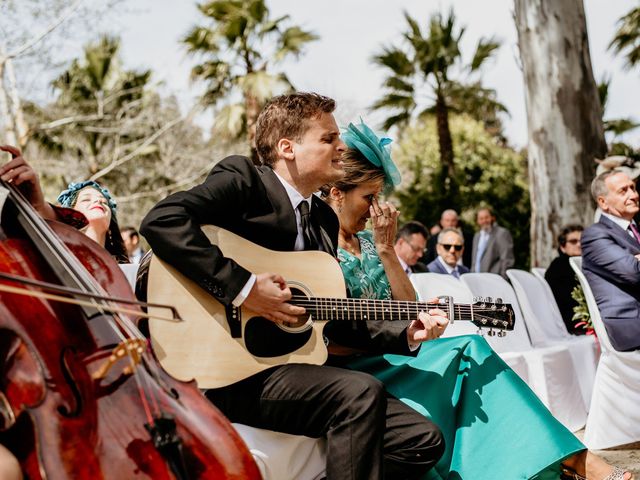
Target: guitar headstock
{"x": 487, "y": 313}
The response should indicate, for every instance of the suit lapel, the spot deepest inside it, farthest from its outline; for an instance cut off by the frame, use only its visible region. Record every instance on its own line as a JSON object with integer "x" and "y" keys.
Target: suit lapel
{"x": 285, "y": 217}
{"x": 617, "y": 230}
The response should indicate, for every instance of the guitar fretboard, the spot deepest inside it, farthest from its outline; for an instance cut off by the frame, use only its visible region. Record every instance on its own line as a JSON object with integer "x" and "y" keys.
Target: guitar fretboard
{"x": 371, "y": 310}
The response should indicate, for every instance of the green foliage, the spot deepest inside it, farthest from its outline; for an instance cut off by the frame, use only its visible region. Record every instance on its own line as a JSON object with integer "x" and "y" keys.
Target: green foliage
{"x": 487, "y": 172}
{"x": 425, "y": 64}
{"x": 627, "y": 37}
{"x": 239, "y": 45}
{"x": 581, "y": 315}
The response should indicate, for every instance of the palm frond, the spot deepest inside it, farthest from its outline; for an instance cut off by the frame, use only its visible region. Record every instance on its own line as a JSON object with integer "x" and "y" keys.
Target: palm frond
{"x": 484, "y": 50}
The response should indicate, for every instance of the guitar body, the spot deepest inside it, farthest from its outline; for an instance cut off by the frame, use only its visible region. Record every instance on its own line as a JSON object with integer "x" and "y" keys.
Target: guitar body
{"x": 218, "y": 346}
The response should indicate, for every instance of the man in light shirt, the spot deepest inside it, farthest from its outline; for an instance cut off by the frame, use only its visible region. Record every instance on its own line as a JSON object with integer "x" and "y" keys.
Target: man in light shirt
{"x": 411, "y": 241}
{"x": 492, "y": 246}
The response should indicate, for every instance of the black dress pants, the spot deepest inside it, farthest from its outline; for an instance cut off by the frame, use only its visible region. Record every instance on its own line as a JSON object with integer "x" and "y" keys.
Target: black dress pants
{"x": 370, "y": 434}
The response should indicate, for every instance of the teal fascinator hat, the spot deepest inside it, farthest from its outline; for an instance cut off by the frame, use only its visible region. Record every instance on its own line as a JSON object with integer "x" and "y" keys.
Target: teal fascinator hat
{"x": 68, "y": 197}
{"x": 376, "y": 150}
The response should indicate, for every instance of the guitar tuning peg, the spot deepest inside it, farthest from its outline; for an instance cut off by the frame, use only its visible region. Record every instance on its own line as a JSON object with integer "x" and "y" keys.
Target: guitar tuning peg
{"x": 502, "y": 333}
{"x": 488, "y": 300}
{"x": 498, "y": 301}
{"x": 477, "y": 299}
{"x": 491, "y": 333}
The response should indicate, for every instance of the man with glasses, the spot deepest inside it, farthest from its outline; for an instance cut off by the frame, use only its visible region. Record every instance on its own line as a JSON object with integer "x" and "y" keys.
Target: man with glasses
{"x": 450, "y": 248}
{"x": 411, "y": 241}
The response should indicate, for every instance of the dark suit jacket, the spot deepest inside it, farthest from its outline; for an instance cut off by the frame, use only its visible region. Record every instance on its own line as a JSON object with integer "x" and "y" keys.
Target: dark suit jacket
{"x": 498, "y": 254}
{"x": 613, "y": 273}
{"x": 251, "y": 202}
{"x": 419, "y": 267}
{"x": 436, "y": 267}
{"x": 562, "y": 280}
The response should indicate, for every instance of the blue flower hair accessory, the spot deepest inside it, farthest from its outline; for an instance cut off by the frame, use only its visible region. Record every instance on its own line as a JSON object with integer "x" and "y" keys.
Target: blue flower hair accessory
{"x": 68, "y": 197}
{"x": 375, "y": 149}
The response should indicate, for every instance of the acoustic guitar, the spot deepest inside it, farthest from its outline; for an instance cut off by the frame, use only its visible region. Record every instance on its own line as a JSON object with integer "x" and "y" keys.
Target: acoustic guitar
{"x": 218, "y": 345}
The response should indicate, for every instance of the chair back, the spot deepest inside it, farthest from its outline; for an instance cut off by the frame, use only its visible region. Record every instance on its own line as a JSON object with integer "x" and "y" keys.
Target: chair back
{"x": 494, "y": 286}
{"x": 539, "y": 272}
{"x": 539, "y": 308}
{"x": 594, "y": 311}
{"x": 429, "y": 285}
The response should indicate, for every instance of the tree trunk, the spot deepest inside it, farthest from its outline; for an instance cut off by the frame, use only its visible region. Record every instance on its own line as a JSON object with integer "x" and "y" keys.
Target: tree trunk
{"x": 252, "y": 110}
{"x": 7, "y": 129}
{"x": 564, "y": 118}
{"x": 446, "y": 150}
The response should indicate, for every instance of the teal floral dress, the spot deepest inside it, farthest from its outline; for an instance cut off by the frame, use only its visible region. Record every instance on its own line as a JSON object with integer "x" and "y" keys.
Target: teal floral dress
{"x": 494, "y": 426}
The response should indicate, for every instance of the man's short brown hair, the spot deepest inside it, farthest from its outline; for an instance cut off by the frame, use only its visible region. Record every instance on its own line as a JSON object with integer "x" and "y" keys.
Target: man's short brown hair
{"x": 286, "y": 116}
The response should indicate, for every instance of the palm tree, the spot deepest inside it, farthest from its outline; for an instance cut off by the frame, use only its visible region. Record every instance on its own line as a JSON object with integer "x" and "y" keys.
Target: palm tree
{"x": 423, "y": 64}
{"x": 627, "y": 37}
{"x": 96, "y": 100}
{"x": 236, "y": 48}
{"x": 616, "y": 126}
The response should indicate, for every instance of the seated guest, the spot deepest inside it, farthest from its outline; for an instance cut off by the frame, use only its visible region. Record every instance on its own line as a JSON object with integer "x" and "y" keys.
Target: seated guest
{"x": 450, "y": 249}
{"x": 98, "y": 220}
{"x": 411, "y": 241}
{"x": 131, "y": 240}
{"x": 611, "y": 258}
{"x": 561, "y": 277}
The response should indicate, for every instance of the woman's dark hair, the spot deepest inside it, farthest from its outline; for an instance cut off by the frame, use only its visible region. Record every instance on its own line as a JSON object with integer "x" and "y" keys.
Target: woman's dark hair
{"x": 114, "y": 243}
{"x": 562, "y": 238}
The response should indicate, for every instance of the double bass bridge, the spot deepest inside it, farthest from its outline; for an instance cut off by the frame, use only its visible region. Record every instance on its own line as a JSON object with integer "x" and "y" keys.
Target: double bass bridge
{"x": 130, "y": 350}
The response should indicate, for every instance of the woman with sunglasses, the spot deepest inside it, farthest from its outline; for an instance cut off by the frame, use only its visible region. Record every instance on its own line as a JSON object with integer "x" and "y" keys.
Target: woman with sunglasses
{"x": 494, "y": 426}
{"x": 561, "y": 277}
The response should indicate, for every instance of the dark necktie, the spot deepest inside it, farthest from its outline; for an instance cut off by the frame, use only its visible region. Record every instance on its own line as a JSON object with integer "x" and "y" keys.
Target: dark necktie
{"x": 310, "y": 241}
{"x": 634, "y": 230}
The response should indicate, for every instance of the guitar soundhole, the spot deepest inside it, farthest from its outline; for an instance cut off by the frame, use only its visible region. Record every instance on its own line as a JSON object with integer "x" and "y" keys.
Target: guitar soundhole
{"x": 263, "y": 338}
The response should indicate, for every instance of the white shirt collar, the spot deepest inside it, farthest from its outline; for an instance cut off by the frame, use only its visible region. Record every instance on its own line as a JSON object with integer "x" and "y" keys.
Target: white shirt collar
{"x": 294, "y": 196}
{"x": 403, "y": 264}
{"x": 445, "y": 265}
{"x": 621, "y": 222}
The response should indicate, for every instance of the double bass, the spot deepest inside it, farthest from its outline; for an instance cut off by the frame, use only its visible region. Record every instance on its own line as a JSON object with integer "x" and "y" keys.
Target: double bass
{"x": 82, "y": 396}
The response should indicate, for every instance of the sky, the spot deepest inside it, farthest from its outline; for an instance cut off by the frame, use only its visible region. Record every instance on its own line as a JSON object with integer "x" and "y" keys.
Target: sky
{"x": 351, "y": 31}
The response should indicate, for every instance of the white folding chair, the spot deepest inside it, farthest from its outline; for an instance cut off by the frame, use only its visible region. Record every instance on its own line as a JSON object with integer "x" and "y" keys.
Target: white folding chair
{"x": 614, "y": 416}
{"x": 551, "y": 372}
{"x": 546, "y": 328}
{"x": 538, "y": 271}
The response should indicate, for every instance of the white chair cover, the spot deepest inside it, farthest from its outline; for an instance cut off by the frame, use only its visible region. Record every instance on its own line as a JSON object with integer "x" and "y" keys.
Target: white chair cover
{"x": 429, "y": 285}
{"x": 551, "y": 372}
{"x": 538, "y": 271}
{"x": 545, "y": 325}
{"x": 614, "y": 414}
{"x": 279, "y": 456}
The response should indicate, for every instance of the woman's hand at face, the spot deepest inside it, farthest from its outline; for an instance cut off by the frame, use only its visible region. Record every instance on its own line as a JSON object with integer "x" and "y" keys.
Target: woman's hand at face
{"x": 384, "y": 221}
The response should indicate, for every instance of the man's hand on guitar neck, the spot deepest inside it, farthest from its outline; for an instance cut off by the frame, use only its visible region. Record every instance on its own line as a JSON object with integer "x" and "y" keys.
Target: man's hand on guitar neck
{"x": 268, "y": 298}
{"x": 428, "y": 326}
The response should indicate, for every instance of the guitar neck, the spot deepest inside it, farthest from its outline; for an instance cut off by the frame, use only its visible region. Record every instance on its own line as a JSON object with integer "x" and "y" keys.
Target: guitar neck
{"x": 363, "y": 309}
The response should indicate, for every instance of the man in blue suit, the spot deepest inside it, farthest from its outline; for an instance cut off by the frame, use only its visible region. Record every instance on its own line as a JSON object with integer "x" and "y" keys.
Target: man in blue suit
{"x": 450, "y": 248}
{"x": 611, "y": 258}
